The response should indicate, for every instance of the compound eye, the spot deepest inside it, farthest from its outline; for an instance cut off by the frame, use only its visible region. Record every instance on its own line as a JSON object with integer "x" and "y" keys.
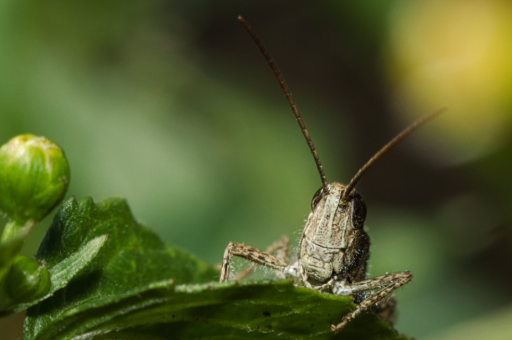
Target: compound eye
{"x": 316, "y": 199}
{"x": 358, "y": 211}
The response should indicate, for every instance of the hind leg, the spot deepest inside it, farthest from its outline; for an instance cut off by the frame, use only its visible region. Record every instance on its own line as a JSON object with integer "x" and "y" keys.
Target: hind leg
{"x": 384, "y": 285}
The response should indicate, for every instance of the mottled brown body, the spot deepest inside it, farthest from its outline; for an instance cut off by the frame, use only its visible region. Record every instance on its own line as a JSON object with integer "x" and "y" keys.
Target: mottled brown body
{"x": 329, "y": 236}
{"x": 334, "y": 248}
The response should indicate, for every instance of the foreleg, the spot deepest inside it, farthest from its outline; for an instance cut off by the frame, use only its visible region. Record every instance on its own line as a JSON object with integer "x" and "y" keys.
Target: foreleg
{"x": 279, "y": 249}
{"x": 251, "y": 254}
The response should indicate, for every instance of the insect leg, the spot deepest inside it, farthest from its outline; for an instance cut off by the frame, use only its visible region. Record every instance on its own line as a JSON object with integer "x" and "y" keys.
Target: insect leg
{"x": 279, "y": 249}
{"x": 251, "y": 254}
{"x": 387, "y": 284}
{"x": 372, "y": 284}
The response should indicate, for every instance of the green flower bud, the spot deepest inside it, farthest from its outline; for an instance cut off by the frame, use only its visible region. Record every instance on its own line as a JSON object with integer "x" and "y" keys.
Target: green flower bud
{"x": 34, "y": 176}
{"x": 27, "y": 280}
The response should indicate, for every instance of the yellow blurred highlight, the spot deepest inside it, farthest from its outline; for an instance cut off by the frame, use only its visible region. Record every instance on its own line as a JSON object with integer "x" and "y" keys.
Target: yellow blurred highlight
{"x": 455, "y": 54}
{"x": 495, "y": 326}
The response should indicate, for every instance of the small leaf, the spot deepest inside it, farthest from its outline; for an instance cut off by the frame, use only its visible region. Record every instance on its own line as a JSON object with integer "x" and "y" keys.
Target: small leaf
{"x": 63, "y": 272}
{"x": 128, "y": 291}
{"x": 60, "y": 275}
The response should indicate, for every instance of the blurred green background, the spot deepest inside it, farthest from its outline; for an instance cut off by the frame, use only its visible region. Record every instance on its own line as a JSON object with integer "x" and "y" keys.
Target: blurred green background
{"x": 170, "y": 105}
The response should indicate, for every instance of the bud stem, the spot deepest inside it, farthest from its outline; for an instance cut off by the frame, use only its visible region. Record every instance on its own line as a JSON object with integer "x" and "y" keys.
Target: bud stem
{"x": 13, "y": 229}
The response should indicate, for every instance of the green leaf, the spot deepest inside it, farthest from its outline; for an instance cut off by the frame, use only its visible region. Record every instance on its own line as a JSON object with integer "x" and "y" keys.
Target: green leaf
{"x": 137, "y": 288}
{"x": 133, "y": 264}
{"x": 270, "y": 310}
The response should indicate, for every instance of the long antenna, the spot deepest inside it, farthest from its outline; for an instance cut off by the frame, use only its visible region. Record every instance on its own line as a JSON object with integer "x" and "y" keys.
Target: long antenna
{"x": 406, "y": 132}
{"x": 289, "y": 97}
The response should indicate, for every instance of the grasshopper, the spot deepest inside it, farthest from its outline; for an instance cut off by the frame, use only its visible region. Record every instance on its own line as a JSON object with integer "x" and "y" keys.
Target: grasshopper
{"x": 334, "y": 248}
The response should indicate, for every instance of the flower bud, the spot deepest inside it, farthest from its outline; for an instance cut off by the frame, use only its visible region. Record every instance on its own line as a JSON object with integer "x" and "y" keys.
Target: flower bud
{"x": 27, "y": 280}
{"x": 34, "y": 176}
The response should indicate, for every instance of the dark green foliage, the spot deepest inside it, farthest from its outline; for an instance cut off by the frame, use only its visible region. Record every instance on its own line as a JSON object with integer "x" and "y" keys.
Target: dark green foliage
{"x": 137, "y": 288}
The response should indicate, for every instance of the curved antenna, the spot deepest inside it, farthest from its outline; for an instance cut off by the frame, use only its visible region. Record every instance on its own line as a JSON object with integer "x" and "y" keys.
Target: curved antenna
{"x": 288, "y": 95}
{"x": 406, "y": 132}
